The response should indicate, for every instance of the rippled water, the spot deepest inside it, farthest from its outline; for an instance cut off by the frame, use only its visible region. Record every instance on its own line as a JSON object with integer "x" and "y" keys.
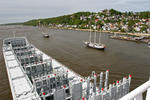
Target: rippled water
{"x": 120, "y": 57}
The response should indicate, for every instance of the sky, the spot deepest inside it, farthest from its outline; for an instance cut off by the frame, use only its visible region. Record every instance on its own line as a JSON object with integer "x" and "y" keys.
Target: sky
{"x": 22, "y": 10}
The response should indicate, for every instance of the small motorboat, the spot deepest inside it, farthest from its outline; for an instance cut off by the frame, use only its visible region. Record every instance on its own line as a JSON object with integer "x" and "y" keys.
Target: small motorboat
{"x": 46, "y": 35}
{"x": 44, "y": 30}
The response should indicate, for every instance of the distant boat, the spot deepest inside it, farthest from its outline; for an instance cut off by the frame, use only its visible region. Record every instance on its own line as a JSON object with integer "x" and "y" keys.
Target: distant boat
{"x": 149, "y": 44}
{"x": 46, "y": 35}
{"x": 43, "y": 30}
{"x": 96, "y": 45}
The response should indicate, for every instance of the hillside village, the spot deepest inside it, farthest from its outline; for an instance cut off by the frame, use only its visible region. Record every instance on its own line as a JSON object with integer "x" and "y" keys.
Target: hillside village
{"x": 105, "y": 20}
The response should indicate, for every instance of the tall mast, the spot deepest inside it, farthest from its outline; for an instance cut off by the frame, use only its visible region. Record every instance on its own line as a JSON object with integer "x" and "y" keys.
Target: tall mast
{"x": 39, "y": 26}
{"x": 14, "y": 33}
{"x": 95, "y": 33}
{"x": 100, "y": 37}
{"x": 90, "y": 32}
{"x": 39, "y": 23}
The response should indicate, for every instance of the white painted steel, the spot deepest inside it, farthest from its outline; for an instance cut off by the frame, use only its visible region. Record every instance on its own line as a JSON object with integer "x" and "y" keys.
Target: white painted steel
{"x": 148, "y": 94}
{"x": 139, "y": 97}
{"x": 137, "y": 93}
{"x": 22, "y": 89}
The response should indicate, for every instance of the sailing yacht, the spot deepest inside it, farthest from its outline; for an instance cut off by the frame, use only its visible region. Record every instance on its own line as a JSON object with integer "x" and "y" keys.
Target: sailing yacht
{"x": 45, "y": 35}
{"x": 96, "y": 45}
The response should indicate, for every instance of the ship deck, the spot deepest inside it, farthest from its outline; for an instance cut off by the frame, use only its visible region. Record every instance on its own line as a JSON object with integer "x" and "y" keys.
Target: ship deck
{"x": 20, "y": 85}
{"x": 23, "y": 89}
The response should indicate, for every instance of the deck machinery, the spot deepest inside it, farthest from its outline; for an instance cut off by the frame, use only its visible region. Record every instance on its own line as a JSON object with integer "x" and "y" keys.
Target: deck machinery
{"x": 33, "y": 75}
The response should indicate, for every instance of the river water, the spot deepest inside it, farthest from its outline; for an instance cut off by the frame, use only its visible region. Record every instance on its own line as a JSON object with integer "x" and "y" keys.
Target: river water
{"x": 120, "y": 57}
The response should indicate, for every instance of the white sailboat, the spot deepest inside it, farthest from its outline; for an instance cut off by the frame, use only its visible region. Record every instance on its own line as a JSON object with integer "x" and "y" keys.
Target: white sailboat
{"x": 96, "y": 45}
{"x": 45, "y": 34}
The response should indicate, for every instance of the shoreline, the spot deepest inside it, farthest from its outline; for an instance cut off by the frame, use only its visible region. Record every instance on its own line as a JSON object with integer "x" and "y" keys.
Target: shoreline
{"x": 110, "y": 32}
{"x": 129, "y": 39}
{"x": 129, "y": 36}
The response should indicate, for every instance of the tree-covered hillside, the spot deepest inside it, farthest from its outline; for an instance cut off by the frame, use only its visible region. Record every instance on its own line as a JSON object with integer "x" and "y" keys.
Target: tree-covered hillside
{"x": 66, "y": 19}
{"x": 111, "y": 20}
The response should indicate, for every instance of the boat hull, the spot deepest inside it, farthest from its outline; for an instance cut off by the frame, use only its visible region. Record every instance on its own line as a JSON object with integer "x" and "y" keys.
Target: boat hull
{"x": 46, "y": 36}
{"x": 95, "y": 46}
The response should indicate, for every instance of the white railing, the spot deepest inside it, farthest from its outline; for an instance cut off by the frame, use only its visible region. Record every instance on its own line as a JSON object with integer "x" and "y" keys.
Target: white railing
{"x": 137, "y": 94}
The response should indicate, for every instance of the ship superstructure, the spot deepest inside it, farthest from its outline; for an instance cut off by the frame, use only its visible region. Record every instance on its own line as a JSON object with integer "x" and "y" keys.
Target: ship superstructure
{"x": 33, "y": 75}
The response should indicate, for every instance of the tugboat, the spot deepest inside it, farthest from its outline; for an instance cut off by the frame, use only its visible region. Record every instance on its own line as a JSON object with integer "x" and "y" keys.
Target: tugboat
{"x": 94, "y": 44}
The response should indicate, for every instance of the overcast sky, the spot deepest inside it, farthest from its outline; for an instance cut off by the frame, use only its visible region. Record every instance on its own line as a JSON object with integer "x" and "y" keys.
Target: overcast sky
{"x": 22, "y": 10}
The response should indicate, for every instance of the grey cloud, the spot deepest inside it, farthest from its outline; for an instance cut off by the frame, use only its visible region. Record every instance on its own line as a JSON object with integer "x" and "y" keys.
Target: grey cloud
{"x": 30, "y": 9}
